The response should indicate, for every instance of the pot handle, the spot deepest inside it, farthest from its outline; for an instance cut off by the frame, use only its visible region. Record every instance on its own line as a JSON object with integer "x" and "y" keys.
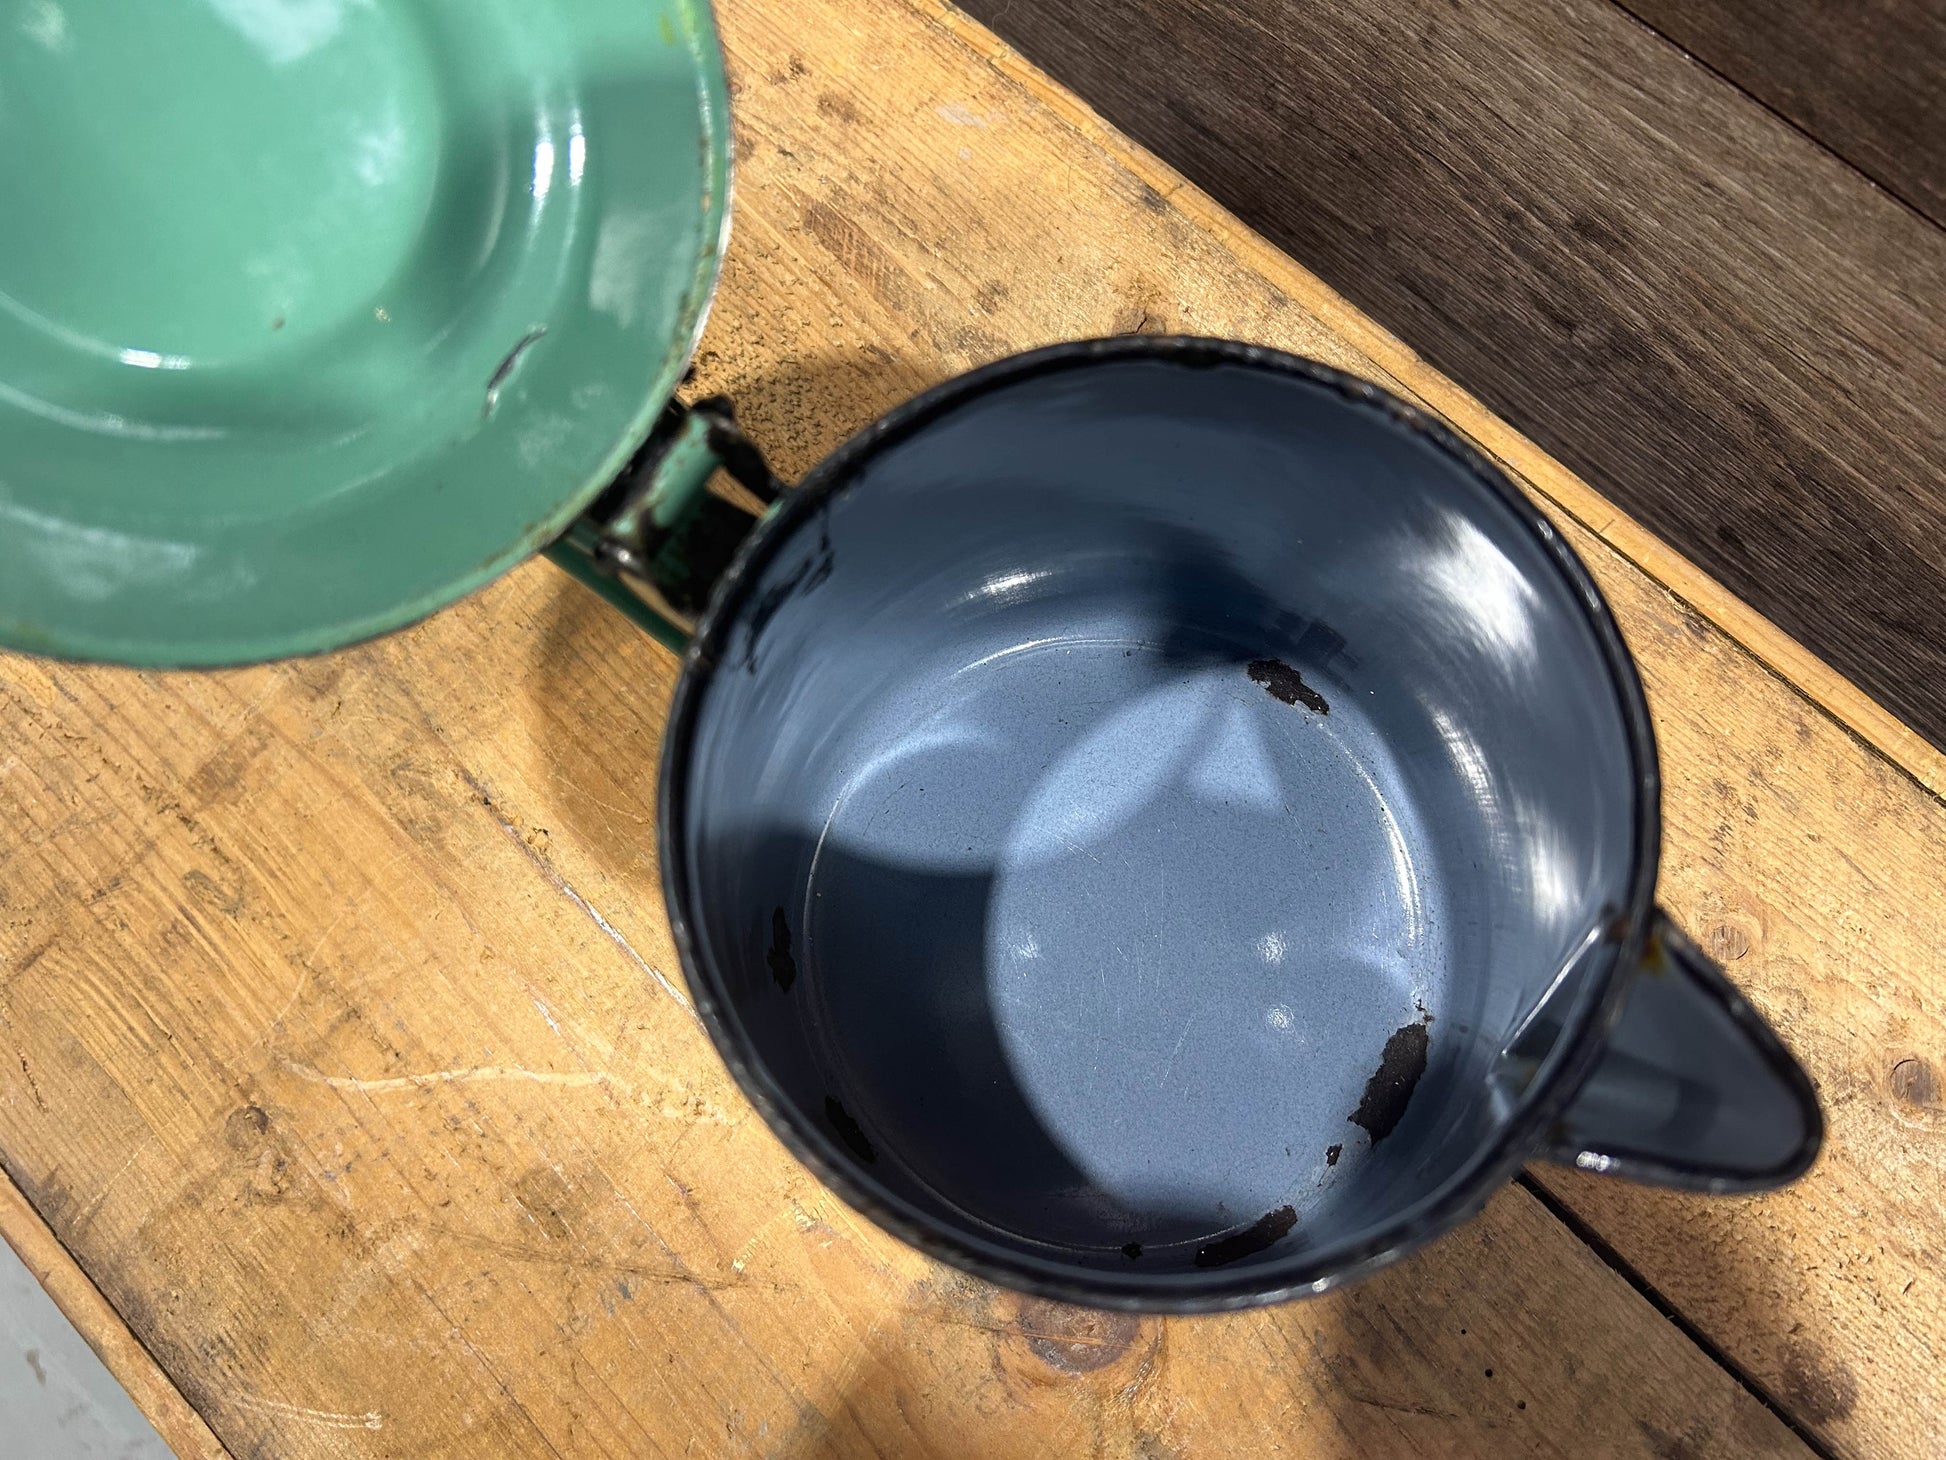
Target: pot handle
{"x": 655, "y": 542}
{"x": 1694, "y": 1089}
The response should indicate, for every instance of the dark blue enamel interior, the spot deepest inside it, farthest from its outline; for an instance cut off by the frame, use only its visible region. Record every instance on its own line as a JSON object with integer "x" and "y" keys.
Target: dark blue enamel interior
{"x": 1131, "y": 820}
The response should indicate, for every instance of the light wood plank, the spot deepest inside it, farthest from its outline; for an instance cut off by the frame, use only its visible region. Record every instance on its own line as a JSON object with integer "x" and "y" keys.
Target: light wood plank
{"x": 345, "y": 1059}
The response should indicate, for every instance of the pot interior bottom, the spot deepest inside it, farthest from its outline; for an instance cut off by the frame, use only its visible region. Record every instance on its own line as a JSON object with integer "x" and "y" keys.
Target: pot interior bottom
{"x": 1129, "y": 953}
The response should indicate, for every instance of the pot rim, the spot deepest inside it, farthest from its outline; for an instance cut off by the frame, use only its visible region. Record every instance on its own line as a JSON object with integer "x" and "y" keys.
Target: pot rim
{"x": 1307, "y": 1271}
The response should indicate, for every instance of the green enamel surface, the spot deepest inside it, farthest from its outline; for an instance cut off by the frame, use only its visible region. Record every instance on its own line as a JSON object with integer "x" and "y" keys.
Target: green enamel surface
{"x": 316, "y": 314}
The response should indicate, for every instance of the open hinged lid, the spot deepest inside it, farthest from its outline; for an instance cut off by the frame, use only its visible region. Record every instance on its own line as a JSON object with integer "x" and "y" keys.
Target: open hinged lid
{"x": 317, "y": 314}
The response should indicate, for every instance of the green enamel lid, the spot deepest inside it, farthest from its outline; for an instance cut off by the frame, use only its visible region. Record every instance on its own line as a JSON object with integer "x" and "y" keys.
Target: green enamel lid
{"x": 317, "y": 314}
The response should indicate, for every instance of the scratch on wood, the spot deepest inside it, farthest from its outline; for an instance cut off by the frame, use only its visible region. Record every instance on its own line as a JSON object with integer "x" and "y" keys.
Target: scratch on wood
{"x": 1398, "y": 1406}
{"x": 89, "y": 1212}
{"x": 440, "y": 1077}
{"x": 333, "y": 1419}
{"x": 560, "y": 883}
{"x": 691, "y": 1107}
{"x": 33, "y": 955}
{"x": 678, "y": 1276}
{"x": 33, "y": 1086}
{"x": 619, "y": 941}
{"x": 303, "y": 975}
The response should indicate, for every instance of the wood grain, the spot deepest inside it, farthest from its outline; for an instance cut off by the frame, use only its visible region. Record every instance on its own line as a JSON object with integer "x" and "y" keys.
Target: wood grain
{"x": 1722, "y": 327}
{"x": 120, "y": 1352}
{"x": 369, "y": 1107}
{"x": 1868, "y": 80}
{"x": 339, "y": 1034}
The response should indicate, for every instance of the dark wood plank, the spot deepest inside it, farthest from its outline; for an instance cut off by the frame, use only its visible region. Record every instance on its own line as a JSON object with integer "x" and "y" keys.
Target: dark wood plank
{"x": 1867, "y": 79}
{"x": 1719, "y": 324}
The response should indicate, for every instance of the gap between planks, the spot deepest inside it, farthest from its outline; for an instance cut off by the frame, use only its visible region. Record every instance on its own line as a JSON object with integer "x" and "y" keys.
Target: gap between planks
{"x": 1606, "y": 1254}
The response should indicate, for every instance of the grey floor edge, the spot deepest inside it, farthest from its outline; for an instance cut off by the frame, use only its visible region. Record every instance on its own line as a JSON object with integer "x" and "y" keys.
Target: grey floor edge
{"x": 57, "y": 1400}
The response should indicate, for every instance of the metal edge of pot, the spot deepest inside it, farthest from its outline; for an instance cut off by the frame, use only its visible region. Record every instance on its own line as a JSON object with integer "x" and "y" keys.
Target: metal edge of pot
{"x": 1460, "y": 1196}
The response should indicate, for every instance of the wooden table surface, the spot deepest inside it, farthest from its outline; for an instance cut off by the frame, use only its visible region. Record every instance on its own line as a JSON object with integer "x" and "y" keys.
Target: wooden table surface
{"x": 357, "y": 1109}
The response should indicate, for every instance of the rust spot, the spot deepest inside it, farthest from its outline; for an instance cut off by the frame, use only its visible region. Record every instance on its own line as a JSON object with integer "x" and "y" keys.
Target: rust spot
{"x": 1332, "y": 1153}
{"x": 1389, "y": 1090}
{"x": 1286, "y": 684}
{"x": 1075, "y": 1340}
{"x": 1820, "y": 1388}
{"x": 1913, "y": 1082}
{"x": 849, "y": 1130}
{"x": 783, "y": 967}
{"x": 1268, "y": 1229}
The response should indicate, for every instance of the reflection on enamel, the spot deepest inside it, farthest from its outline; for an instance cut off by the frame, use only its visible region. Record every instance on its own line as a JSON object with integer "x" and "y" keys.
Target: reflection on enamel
{"x": 625, "y": 261}
{"x": 379, "y": 154}
{"x": 1108, "y": 773}
{"x": 1405, "y": 877}
{"x": 1482, "y": 594}
{"x": 282, "y": 31}
{"x": 543, "y": 169}
{"x": 1552, "y": 874}
{"x": 46, "y": 23}
{"x": 577, "y": 154}
{"x": 907, "y": 839}
{"x": 1467, "y": 759}
{"x": 95, "y": 563}
{"x": 150, "y": 360}
{"x": 1235, "y": 768}
{"x": 105, "y": 423}
{"x": 1012, "y": 585}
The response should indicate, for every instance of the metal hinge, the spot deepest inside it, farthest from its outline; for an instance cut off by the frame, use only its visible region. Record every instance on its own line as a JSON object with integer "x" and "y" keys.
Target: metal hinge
{"x": 658, "y": 526}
